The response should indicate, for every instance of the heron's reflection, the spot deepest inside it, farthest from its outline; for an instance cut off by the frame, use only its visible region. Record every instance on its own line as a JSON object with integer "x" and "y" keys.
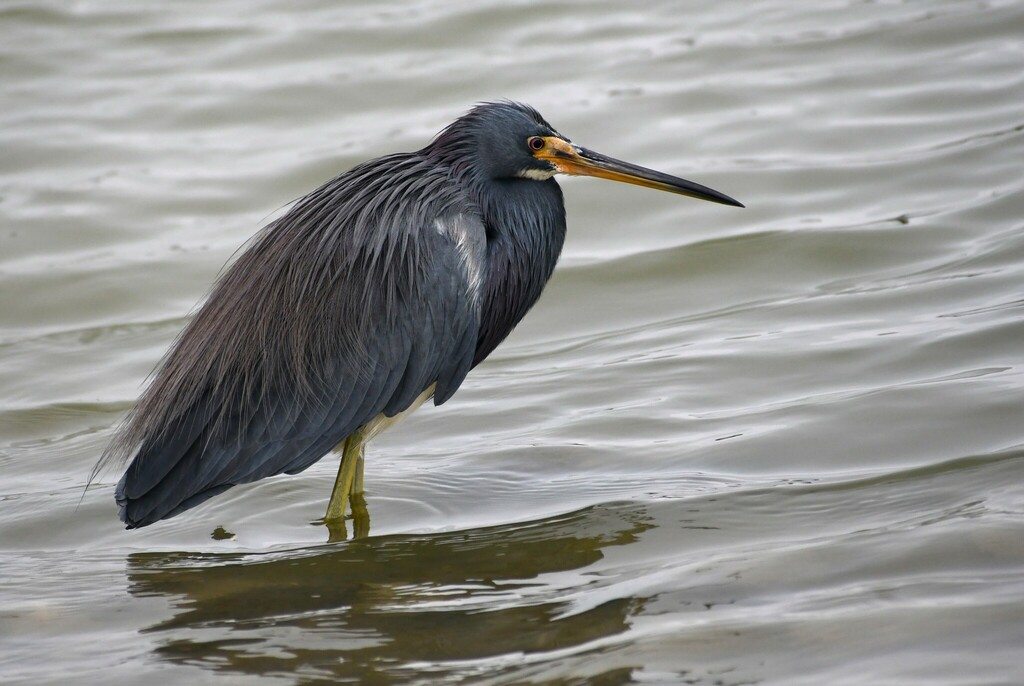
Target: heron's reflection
{"x": 337, "y": 529}
{"x": 374, "y": 610}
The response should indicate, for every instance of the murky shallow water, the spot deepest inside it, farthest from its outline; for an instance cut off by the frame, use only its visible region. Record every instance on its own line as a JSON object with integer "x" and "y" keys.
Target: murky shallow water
{"x": 777, "y": 445}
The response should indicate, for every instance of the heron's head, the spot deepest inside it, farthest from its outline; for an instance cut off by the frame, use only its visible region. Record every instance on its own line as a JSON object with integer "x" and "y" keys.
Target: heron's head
{"x": 510, "y": 140}
{"x": 497, "y": 135}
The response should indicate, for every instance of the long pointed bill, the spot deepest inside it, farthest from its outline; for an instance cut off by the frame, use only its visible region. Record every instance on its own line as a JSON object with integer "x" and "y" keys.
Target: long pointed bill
{"x": 572, "y": 159}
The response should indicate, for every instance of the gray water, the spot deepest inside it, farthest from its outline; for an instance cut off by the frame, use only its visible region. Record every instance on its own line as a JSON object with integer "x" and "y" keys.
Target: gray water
{"x": 779, "y": 445}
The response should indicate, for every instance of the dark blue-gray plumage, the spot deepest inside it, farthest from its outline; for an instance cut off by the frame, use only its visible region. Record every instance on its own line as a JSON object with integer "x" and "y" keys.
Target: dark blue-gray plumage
{"x": 387, "y": 283}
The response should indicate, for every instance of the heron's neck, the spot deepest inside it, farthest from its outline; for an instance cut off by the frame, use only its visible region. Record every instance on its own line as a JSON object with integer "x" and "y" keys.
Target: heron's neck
{"x": 525, "y": 223}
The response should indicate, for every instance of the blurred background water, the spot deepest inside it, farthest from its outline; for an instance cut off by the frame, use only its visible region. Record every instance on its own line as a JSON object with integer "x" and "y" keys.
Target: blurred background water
{"x": 780, "y": 445}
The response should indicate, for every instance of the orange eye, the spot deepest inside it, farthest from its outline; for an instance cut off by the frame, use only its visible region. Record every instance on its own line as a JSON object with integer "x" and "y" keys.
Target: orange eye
{"x": 535, "y": 143}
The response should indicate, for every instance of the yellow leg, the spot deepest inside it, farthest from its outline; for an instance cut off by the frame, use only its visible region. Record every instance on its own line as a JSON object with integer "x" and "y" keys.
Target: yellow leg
{"x": 351, "y": 463}
{"x": 360, "y": 515}
{"x": 357, "y": 485}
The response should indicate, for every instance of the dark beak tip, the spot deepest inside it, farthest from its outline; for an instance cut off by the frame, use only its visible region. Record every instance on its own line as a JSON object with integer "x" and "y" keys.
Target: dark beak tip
{"x": 723, "y": 199}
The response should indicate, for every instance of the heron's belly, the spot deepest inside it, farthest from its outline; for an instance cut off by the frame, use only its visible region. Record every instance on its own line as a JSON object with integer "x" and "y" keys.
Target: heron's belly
{"x": 379, "y": 423}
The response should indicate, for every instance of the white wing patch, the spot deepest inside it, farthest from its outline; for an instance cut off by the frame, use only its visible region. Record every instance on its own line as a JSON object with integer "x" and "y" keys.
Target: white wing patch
{"x": 458, "y": 229}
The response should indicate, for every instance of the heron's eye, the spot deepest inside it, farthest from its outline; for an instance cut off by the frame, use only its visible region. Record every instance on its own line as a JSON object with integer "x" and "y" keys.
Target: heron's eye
{"x": 535, "y": 143}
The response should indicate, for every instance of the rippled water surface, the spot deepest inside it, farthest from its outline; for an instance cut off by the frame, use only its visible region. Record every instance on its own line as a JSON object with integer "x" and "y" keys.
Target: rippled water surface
{"x": 780, "y": 445}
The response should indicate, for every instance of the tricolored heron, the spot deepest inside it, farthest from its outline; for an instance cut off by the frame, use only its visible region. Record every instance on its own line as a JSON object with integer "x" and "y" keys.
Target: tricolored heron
{"x": 378, "y": 290}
